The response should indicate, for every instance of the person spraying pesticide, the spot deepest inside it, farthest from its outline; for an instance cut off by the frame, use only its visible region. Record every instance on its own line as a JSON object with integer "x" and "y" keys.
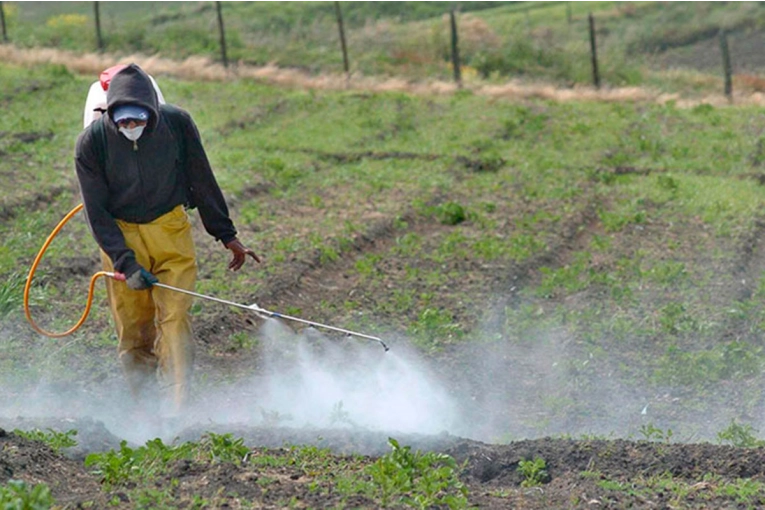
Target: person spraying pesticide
{"x": 140, "y": 166}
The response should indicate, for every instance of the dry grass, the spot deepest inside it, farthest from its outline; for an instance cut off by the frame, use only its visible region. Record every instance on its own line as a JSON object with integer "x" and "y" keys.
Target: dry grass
{"x": 200, "y": 68}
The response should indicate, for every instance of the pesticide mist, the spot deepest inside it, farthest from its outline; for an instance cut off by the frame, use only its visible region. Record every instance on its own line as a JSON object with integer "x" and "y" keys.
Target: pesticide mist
{"x": 303, "y": 380}
{"x": 307, "y": 385}
{"x": 308, "y": 380}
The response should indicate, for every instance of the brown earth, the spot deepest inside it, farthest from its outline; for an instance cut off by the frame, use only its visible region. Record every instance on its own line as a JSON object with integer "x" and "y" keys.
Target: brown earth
{"x": 582, "y": 473}
{"x": 490, "y": 472}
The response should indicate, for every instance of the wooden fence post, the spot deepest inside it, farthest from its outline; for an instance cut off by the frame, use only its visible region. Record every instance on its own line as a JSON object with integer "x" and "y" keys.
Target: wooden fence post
{"x": 99, "y": 39}
{"x": 594, "y": 52}
{"x": 2, "y": 22}
{"x": 343, "y": 47}
{"x": 222, "y": 34}
{"x": 455, "y": 50}
{"x": 727, "y": 69}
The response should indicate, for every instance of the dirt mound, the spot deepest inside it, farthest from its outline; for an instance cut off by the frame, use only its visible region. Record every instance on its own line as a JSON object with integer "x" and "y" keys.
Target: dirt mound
{"x": 35, "y": 463}
{"x": 578, "y": 473}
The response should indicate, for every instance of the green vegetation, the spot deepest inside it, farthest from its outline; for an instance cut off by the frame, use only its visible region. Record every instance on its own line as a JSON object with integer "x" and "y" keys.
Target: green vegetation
{"x": 401, "y": 477}
{"x": 324, "y": 169}
{"x": 11, "y": 294}
{"x": 534, "y": 472}
{"x": 652, "y": 433}
{"x": 740, "y": 435}
{"x": 613, "y": 247}
{"x": 56, "y": 440}
{"x": 745, "y": 492}
{"x": 498, "y": 40}
{"x": 18, "y": 495}
{"x": 414, "y": 479}
{"x": 143, "y": 463}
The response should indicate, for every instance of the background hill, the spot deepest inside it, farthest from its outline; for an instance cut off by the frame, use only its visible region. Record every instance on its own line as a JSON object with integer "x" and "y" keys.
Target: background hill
{"x": 638, "y": 42}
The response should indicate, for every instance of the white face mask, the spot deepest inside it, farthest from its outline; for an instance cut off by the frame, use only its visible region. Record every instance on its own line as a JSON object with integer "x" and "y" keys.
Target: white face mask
{"x": 132, "y": 134}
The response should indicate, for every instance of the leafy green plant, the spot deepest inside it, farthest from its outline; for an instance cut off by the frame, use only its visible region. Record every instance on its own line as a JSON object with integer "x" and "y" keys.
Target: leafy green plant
{"x": 450, "y": 213}
{"x": 143, "y": 463}
{"x": 116, "y": 466}
{"x": 222, "y": 448}
{"x": 56, "y": 440}
{"x": 653, "y": 433}
{"x": 416, "y": 479}
{"x": 745, "y": 491}
{"x": 434, "y": 326}
{"x": 740, "y": 436}
{"x": 534, "y": 472}
{"x": 17, "y": 495}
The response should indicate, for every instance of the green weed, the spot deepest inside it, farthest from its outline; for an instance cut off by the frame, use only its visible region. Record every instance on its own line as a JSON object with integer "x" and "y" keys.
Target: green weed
{"x": 145, "y": 462}
{"x": 435, "y": 326}
{"x": 653, "y": 433}
{"x": 367, "y": 265}
{"x": 570, "y": 278}
{"x": 54, "y": 439}
{"x": 11, "y": 294}
{"x": 17, "y": 495}
{"x": 416, "y": 479}
{"x": 728, "y": 361}
{"x": 740, "y": 436}
{"x": 450, "y": 213}
{"x": 534, "y": 472}
{"x": 221, "y": 448}
{"x": 745, "y": 491}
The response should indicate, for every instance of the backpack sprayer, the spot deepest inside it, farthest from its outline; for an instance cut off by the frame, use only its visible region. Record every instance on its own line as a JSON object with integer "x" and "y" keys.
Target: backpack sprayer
{"x": 262, "y": 312}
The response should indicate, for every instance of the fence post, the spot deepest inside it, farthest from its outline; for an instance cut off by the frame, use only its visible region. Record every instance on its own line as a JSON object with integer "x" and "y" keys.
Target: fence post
{"x": 343, "y": 47}
{"x": 99, "y": 39}
{"x": 594, "y": 52}
{"x": 455, "y": 50}
{"x": 222, "y": 34}
{"x": 727, "y": 70}
{"x": 2, "y": 22}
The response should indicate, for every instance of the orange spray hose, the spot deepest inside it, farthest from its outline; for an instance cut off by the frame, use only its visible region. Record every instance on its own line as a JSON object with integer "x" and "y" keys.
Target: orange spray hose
{"x": 34, "y": 268}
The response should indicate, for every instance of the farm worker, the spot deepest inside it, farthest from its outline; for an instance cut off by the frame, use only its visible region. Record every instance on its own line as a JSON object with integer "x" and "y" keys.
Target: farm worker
{"x": 140, "y": 166}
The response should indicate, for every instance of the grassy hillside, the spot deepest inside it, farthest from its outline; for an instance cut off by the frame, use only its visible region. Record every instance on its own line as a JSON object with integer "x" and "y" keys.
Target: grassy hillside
{"x": 498, "y": 40}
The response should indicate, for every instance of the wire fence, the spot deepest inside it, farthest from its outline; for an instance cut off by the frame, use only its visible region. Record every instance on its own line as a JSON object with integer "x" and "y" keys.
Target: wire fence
{"x": 320, "y": 35}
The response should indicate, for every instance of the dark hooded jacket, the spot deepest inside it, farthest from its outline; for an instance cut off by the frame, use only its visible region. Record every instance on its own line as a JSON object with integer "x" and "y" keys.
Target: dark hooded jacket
{"x": 140, "y": 181}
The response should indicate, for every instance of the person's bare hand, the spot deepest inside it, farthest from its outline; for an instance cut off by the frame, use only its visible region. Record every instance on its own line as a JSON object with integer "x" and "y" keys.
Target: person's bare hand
{"x": 240, "y": 252}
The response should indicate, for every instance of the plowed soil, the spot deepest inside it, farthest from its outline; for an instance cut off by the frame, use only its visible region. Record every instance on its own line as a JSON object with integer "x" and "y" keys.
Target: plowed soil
{"x": 581, "y": 473}
{"x": 490, "y": 472}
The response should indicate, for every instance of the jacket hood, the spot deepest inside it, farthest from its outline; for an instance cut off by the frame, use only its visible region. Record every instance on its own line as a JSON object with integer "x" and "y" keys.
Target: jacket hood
{"x": 133, "y": 86}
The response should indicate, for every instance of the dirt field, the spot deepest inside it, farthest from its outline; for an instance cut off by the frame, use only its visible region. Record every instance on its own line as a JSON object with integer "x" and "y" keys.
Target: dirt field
{"x": 538, "y": 378}
{"x": 577, "y": 469}
{"x": 490, "y": 472}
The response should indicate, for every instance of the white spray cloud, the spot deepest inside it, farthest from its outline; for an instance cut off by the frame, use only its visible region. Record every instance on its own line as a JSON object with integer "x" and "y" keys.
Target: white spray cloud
{"x": 308, "y": 379}
{"x": 305, "y": 380}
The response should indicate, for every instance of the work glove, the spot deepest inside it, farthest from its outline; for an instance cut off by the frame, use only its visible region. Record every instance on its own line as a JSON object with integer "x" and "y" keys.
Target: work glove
{"x": 240, "y": 252}
{"x": 141, "y": 279}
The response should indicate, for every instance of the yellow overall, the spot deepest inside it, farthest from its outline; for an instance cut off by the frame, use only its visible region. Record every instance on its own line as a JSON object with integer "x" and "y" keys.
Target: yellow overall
{"x": 153, "y": 325}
